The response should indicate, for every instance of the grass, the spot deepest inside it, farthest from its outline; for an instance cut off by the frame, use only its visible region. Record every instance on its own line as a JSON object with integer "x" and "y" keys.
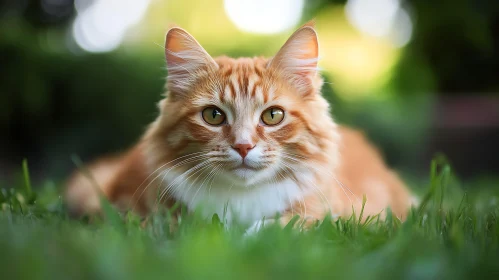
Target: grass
{"x": 452, "y": 235}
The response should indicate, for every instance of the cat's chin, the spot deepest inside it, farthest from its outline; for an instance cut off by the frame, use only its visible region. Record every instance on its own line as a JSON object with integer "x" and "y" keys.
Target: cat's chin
{"x": 245, "y": 177}
{"x": 245, "y": 173}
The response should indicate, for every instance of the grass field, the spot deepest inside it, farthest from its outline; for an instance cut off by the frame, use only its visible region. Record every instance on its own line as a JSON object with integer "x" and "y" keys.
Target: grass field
{"x": 453, "y": 234}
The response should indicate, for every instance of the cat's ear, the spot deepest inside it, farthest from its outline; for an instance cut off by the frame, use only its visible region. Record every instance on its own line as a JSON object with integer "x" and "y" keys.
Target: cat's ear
{"x": 185, "y": 58}
{"x": 297, "y": 59}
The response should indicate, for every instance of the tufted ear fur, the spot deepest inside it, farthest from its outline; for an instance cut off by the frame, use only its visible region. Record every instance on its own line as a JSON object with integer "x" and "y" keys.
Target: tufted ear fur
{"x": 185, "y": 58}
{"x": 297, "y": 59}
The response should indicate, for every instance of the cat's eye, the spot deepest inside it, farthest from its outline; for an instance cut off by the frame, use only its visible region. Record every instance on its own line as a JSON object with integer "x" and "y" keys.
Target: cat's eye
{"x": 273, "y": 116}
{"x": 213, "y": 116}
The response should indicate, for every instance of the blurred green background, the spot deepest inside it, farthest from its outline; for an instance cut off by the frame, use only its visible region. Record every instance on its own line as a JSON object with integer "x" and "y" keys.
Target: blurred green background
{"x": 83, "y": 76}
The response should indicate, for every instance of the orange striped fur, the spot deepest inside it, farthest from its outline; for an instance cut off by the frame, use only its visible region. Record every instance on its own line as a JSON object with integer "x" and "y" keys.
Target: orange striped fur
{"x": 306, "y": 164}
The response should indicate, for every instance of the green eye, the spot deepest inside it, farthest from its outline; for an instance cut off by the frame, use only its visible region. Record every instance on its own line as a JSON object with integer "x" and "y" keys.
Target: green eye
{"x": 273, "y": 116}
{"x": 213, "y": 116}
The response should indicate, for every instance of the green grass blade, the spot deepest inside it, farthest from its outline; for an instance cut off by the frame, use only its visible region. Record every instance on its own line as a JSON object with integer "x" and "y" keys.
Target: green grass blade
{"x": 27, "y": 180}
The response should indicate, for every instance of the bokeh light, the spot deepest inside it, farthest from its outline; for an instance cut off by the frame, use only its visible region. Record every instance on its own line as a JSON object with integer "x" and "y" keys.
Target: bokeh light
{"x": 264, "y": 16}
{"x": 380, "y": 18}
{"x": 101, "y": 25}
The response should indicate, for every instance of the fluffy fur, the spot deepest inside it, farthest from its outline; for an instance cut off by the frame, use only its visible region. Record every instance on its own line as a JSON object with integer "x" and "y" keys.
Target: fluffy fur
{"x": 305, "y": 165}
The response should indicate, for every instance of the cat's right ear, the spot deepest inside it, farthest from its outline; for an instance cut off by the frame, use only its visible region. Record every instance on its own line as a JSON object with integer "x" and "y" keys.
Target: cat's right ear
{"x": 297, "y": 59}
{"x": 184, "y": 58}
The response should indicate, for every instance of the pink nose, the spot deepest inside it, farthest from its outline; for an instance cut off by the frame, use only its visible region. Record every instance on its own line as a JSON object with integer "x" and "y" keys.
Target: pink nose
{"x": 243, "y": 149}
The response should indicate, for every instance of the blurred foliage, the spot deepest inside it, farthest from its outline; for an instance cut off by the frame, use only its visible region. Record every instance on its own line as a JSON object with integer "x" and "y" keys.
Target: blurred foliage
{"x": 454, "y": 47}
{"x": 459, "y": 40}
{"x": 55, "y": 104}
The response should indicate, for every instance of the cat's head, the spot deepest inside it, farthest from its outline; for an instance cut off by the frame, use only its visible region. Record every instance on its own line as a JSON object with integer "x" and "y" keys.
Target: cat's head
{"x": 248, "y": 119}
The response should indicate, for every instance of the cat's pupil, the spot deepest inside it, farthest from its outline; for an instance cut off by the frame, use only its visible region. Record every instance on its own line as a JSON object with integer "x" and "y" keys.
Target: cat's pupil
{"x": 214, "y": 113}
{"x": 272, "y": 113}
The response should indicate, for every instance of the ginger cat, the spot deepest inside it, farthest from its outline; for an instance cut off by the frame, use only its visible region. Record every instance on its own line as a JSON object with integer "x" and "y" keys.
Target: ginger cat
{"x": 249, "y": 136}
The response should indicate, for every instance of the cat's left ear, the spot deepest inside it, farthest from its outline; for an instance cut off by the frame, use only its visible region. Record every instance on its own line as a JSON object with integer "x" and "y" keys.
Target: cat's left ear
{"x": 297, "y": 59}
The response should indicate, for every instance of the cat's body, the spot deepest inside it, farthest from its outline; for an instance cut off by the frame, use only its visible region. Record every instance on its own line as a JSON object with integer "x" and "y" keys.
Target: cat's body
{"x": 245, "y": 138}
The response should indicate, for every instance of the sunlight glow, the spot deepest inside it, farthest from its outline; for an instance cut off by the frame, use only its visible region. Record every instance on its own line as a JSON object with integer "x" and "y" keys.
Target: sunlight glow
{"x": 358, "y": 66}
{"x": 101, "y": 25}
{"x": 264, "y": 16}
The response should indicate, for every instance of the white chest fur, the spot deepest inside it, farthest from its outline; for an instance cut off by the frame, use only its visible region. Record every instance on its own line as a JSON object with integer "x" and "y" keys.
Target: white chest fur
{"x": 245, "y": 204}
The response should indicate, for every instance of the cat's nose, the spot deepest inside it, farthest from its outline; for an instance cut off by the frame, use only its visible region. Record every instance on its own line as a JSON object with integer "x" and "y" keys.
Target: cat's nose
{"x": 243, "y": 149}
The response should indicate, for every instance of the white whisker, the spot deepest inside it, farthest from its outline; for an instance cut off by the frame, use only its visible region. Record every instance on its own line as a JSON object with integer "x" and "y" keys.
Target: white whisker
{"x": 159, "y": 174}
{"x": 174, "y": 182}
